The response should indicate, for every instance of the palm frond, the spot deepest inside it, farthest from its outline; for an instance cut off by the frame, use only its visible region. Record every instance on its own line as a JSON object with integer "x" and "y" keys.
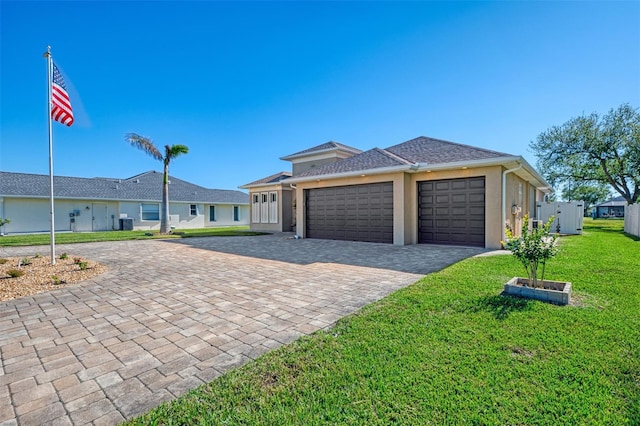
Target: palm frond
{"x": 175, "y": 150}
{"x": 143, "y": 143}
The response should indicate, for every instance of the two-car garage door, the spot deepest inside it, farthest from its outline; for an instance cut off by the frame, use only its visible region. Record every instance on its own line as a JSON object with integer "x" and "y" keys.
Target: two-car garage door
{"x": 354, "y": 213}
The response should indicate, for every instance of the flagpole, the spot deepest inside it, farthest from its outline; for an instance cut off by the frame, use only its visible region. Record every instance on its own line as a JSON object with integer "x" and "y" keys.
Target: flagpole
{"x": 47, "y": 55}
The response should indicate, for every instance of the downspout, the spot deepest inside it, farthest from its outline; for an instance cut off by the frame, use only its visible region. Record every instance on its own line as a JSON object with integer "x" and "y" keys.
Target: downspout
{"x": 504, "y": 197}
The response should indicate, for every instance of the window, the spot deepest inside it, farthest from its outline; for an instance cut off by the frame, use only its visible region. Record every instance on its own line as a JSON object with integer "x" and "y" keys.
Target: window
{"x": 236, "y": 213}
{"x": 255, "y": 209}
{"x": 193, "y": 210}
{"x": 212, "y": 213}
{"x": 264, "y": 207}
{"x": 150, "y": 211}
{"x": 273, "y": 207}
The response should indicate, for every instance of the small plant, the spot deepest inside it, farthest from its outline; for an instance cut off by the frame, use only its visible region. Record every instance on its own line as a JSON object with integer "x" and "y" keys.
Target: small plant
{"x": 24, "y": 262}
{"x": 82, "y": 265}
{"x": 37, "y": 256}
{"x": 15, "y": 273}
{"x": 77, "y": 260}
{"x": 64, "y": 256}
{"x": 3, "y": 261}
{"x": 56, "y": 280}
{"x": 4, "y": 221}
{"x": 533, "y": 248}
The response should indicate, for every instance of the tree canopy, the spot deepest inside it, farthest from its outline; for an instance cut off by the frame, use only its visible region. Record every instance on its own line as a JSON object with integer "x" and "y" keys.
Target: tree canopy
{"x": 594, "y": 149}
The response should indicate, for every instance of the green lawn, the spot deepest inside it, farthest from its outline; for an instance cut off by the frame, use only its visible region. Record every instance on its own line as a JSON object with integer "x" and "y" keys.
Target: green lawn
{"x": 86, "y": 237}
{"x": 450, "y": 350}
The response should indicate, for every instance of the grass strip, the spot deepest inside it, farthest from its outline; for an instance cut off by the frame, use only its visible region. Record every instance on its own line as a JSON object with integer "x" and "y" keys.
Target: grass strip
{"x": 89, "y": 237}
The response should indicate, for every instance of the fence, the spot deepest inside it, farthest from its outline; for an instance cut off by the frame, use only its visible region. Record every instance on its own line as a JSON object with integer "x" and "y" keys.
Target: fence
{"x": 632, "y": 219}
{"x": 568, "y": 216}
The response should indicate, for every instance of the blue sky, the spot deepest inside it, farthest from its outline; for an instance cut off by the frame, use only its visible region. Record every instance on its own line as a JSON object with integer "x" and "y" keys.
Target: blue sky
{"x": 244, "y": 83}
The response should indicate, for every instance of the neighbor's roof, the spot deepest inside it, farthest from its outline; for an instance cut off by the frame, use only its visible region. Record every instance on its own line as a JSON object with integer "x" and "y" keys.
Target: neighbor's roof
{"x": 419, "y": 150}
{"x": 325, "y": 147}
{"x": 614, "y": 202}
{"x": 143, "y": 187}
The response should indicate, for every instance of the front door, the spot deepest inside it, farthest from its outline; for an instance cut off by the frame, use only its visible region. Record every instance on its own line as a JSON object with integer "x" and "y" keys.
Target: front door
{"x": 100, "y": 220}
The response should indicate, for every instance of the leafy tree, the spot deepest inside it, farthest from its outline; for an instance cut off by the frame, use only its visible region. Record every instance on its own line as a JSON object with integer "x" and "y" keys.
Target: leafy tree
{"x": 589, "y": 193}
{"x": 594, "y": 149}
{"x": 170, "y": 152}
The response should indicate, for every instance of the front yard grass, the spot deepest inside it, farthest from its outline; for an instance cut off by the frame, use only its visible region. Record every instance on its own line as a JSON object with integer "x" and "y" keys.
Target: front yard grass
{"x": 87, "y": 237}
{"x": 450, "y": 350}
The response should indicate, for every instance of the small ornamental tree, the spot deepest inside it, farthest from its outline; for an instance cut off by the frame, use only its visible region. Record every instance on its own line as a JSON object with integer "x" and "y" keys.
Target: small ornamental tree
{"x": 533, "y": 248}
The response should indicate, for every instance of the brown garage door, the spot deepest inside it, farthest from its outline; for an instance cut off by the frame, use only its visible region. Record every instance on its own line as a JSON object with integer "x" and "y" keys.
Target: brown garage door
{"x": 451, "y": 211}
{"x": 353, "y": 213}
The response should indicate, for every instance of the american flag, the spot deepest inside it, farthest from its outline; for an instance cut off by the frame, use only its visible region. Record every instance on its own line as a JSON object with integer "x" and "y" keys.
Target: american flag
{"x": 60, "y": 103}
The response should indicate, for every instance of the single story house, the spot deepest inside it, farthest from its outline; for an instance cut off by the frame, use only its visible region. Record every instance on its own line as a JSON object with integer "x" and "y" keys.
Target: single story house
{"x": 613, "y": 208}
{"x": 424, "y": 190}
{"x": 99, "y": 204}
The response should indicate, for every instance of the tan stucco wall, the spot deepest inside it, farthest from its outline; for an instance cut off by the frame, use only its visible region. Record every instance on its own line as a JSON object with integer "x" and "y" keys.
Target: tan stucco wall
{"x": 285, "y": 209}
{"x": 303, "y": 166}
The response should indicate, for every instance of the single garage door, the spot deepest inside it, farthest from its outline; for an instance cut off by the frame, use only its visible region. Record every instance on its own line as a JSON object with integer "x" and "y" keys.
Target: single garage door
{"x": 451, "y": 211}
{"x": 353, "y": 213}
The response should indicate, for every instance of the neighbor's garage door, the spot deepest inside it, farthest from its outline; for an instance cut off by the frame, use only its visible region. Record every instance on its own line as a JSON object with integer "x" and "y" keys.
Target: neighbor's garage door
{"x": 354, "y": 213}
{"x": 451, "y": 211}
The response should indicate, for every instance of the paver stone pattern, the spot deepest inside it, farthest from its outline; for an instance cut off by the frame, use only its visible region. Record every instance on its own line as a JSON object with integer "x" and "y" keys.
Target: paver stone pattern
{"x": 170, "y": 315}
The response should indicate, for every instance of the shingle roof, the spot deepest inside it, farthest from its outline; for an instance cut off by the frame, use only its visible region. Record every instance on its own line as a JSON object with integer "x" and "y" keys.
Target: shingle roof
{"x": 327, "y": 146}
{"x": 617, "y": 201}
{"x": 418, "y": 150}
{"x": 436, "y": 151}
{"x": 375, "y": 158}
{"x": 143, "y": 187}
{"x": 275, "y": 178}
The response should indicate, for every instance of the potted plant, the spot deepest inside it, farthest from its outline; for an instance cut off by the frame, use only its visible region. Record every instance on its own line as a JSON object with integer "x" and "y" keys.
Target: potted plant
{"x": 533, "y": 248}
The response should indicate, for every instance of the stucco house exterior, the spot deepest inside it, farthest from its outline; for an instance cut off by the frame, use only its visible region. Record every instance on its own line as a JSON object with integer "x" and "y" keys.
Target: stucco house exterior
{"x": 423, "y": 190}
{"x": 99, "y": 204}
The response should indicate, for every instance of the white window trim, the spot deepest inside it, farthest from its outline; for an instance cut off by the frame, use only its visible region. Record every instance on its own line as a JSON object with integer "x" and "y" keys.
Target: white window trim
{"x": 142, "y": 219}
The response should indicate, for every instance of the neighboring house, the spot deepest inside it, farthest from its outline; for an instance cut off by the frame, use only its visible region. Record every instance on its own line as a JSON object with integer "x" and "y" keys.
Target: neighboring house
{"x": 613, "y": 208}
{"x": 98, "y": 204}
{"x": 421, "y": 191}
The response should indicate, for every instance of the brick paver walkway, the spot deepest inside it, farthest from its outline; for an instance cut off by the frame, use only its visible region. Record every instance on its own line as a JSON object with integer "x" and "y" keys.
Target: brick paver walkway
{"x": 171, "y": 315}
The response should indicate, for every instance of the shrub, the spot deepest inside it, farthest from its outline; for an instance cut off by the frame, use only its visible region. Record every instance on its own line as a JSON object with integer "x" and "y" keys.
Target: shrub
{"x": 64, "y": 256}
{"x": 82, "y": 265}
{"x": 56, "y": 280}
{"x": 533, "y": 248}
{"x": 25, "y": 261}
{"x": 37, "y": 256}
{"x": 77, "y": 260}
{"x": 15, "y": 273}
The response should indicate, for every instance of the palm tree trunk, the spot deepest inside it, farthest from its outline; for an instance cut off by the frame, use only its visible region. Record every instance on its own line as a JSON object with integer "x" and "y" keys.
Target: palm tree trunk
{"x": 165, "y": 227}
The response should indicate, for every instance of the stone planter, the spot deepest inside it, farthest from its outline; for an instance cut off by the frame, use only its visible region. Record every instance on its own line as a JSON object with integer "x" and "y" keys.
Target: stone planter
{"x": 557, "y": 292}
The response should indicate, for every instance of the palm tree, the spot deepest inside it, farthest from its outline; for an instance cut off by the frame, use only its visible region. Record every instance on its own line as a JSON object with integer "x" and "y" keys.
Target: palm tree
{"x": 170, "y": 152}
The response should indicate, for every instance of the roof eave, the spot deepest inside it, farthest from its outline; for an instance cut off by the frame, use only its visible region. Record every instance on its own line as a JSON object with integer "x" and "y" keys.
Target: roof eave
{"x": 320, "y": 151}
{"x": 262, "y": 185}
{"x": 541, "y": 183}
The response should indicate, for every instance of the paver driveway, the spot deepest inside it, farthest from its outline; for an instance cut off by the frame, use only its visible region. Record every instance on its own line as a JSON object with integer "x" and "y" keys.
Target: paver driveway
{"x": 171, "y": 315}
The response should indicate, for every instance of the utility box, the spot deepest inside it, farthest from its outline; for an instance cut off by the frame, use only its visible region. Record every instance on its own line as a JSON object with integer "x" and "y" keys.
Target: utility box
{"x": 568, "y": 216}
{"x": 126, "y": 224}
